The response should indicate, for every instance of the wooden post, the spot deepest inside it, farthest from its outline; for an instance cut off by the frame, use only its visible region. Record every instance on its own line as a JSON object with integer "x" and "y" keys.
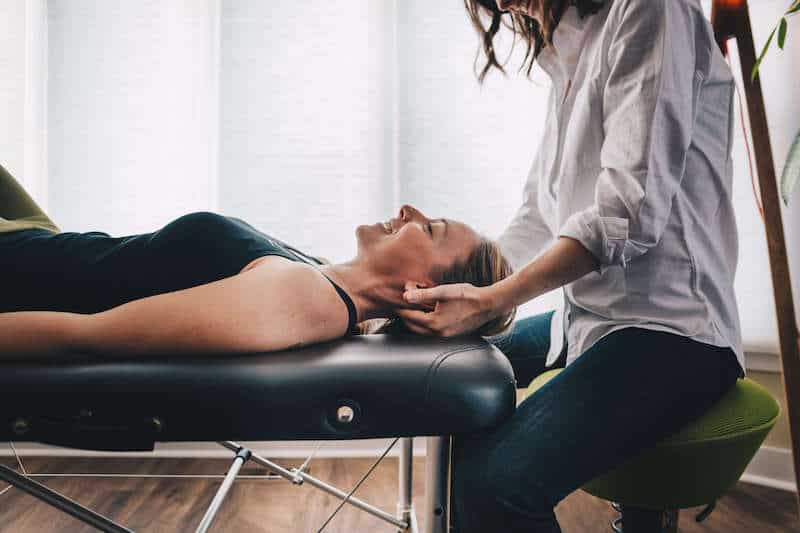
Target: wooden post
{"x": 731, "y": 20}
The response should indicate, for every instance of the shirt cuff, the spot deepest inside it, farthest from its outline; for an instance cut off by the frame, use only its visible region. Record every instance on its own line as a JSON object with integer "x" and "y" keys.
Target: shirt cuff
{"x": 606, "y": 238}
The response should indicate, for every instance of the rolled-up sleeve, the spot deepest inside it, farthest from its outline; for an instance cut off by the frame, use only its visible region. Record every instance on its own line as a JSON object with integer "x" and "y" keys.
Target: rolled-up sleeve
{"x": 649, "y": 95}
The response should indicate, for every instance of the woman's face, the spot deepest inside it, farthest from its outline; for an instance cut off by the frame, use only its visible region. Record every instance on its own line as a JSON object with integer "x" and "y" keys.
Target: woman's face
{"x": 524, "y": 7}
{"x": 414, "y": 247}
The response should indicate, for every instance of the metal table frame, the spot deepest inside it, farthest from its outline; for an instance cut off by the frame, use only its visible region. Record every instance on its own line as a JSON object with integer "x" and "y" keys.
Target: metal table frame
{"x": 437, "y": 489}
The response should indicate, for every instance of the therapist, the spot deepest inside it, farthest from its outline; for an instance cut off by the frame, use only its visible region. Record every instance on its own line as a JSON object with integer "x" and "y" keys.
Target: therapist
{"x": 628, "y": 208}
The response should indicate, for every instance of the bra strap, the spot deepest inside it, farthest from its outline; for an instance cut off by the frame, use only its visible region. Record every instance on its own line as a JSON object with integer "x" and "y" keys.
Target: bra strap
{"x": 351, "y": 307}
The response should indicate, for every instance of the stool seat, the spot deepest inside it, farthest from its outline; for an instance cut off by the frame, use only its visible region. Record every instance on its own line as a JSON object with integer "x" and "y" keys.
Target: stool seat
{"x": 697, "y": 464}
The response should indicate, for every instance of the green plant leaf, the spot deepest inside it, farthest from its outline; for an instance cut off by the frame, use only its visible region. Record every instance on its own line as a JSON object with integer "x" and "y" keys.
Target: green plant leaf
{"x": 795, "y": 7}
{"x": 761, "y": 57}
{"x": 791, "y": 172}
{"x": 782, "y": 33}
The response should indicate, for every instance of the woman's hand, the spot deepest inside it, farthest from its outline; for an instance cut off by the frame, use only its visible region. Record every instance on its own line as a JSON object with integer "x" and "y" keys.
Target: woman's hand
{"x": 460, "y": 308}
{"x": 457, "y": 308}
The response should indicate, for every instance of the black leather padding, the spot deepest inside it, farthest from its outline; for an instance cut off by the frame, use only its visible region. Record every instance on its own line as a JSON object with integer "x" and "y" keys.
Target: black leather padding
{"x": 393, "y": 386}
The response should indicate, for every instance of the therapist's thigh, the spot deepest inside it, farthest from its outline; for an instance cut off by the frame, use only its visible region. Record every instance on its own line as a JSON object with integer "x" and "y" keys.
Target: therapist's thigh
{"x": 526, "y": 345}
{"x": 632, "y": 389}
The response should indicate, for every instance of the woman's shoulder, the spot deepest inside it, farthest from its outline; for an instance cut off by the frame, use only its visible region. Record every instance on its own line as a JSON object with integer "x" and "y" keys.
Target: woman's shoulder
{"x": 304, "y": 292}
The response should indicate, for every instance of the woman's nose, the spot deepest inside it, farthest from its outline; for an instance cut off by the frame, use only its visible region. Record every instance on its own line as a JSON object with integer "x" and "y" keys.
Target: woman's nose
{"x": 411, "y": 214}
{"x": 408, "y": 213}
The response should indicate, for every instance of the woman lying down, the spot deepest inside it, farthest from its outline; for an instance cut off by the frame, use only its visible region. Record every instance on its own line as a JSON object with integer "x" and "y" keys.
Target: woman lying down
{"x": 210, "y": 284}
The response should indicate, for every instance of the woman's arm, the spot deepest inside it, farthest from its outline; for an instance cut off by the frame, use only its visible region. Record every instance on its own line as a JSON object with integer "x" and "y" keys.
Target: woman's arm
{"x": 31, "y": 333}
{"x": 564, "y": 262}
{"x": 277, "y": 305}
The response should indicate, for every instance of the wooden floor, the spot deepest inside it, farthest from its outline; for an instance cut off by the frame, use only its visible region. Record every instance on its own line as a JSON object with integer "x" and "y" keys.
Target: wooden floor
{"x": 175, "y": 505}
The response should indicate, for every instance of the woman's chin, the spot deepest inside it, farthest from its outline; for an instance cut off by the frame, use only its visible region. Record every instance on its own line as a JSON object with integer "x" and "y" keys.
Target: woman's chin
{"x": 362, "y": 234}
{"x": 364, "y": 237}
{"x": 367, "y": 234}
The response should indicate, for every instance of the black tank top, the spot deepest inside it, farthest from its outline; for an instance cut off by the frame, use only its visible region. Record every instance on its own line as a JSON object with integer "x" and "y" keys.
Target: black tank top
{"x": 91, "y": 272}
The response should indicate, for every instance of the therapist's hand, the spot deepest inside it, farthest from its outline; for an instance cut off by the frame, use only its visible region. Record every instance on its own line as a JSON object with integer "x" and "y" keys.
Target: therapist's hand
{"x": 456, "y": 309}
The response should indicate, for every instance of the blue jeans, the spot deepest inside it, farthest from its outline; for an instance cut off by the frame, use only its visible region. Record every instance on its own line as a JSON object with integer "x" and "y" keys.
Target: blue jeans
{"x": 626, "y": 393}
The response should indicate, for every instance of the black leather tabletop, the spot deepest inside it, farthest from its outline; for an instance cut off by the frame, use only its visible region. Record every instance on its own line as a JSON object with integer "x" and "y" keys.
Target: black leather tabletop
{"x": 389, "y": 385}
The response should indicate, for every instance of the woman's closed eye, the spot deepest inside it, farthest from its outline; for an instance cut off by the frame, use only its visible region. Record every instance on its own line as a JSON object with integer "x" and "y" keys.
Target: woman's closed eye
{"x": 441, "y": 223}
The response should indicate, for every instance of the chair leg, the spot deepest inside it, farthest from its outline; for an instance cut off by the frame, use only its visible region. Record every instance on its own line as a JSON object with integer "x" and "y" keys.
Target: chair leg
{"x": 638, "y": 520}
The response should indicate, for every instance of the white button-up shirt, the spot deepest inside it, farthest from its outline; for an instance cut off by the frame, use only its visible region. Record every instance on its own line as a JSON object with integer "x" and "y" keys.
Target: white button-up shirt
{"x": 635, "y": 164}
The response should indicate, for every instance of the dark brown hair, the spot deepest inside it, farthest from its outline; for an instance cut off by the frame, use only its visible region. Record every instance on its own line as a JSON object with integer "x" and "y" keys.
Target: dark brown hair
{"x": 536, "y": 36}
{"x": 485, "y": 266}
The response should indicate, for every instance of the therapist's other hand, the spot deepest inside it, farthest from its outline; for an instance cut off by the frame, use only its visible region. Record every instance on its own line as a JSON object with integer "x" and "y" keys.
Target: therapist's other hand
{"x": 455, "y": 309}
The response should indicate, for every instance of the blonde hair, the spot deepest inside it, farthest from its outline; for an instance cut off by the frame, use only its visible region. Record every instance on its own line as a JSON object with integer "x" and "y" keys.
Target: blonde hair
{"x": 485, "y": 266}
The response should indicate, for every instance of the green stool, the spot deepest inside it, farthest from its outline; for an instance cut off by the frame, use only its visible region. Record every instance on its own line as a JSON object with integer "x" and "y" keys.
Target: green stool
{"x": 693, "y": 467}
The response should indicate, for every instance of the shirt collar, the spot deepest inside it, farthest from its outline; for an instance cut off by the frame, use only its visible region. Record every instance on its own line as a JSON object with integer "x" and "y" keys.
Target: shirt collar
{"x": 561, "y": 57}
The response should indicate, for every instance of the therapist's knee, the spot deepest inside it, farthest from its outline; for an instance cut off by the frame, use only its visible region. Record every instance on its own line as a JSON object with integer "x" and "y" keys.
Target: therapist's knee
{"x": 527, "y": 337}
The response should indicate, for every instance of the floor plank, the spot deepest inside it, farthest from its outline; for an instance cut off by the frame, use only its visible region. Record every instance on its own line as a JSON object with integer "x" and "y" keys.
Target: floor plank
{"x": 177, "y": 505}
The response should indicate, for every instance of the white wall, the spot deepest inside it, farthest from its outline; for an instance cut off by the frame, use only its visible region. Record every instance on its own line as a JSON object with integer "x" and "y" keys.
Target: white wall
{"x": 133, "y": 110}
{"x": 13, "y": 80}
{"x": 302, "y": 107}
{"x": 23, "y": 104}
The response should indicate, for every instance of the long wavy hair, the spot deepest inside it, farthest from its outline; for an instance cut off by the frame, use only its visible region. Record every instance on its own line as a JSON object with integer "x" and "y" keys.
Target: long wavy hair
{"x": 485, "y": 266}
{"x": 488, "y": 20}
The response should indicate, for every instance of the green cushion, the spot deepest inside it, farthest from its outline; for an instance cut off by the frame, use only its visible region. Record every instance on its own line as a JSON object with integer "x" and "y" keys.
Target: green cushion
{"x": 698, "y": 463}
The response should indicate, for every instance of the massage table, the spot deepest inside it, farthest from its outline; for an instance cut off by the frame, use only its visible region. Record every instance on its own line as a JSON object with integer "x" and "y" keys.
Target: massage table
{"x": 363, "y": 387}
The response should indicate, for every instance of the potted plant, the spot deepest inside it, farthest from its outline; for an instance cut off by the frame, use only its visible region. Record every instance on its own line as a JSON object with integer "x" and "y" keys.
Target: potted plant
{"x": 791, "y": 171}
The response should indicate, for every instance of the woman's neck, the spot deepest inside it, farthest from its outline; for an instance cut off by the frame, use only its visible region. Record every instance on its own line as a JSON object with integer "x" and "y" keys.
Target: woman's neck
{"x": 374, "y": 295}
